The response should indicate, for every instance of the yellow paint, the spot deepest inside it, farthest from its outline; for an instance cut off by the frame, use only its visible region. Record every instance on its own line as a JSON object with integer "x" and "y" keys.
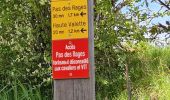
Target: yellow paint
{"x": 64, "y": 12}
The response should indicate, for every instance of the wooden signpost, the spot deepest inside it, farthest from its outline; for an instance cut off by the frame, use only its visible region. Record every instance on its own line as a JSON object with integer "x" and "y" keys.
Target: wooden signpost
{"x": 73, "y": 49}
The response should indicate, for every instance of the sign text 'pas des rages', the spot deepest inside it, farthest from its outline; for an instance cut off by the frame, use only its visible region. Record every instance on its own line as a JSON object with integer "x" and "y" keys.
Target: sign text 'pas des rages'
{"x": 70, "y": 39}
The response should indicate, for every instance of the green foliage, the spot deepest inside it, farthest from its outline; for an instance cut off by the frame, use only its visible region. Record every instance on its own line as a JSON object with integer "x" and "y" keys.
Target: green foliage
{"x": 25, "y": 43}
{"x": 149, "y": 73}
{"x": 25, "y": 51}
{"x": 19, "y": 91}
{"x": 112, "y": 28}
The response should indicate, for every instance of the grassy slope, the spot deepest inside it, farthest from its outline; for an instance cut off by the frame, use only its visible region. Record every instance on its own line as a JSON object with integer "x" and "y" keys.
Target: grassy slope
{"x": 150, "y": 74}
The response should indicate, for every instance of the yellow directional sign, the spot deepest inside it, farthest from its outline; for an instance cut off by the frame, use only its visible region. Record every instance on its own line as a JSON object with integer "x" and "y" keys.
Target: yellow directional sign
{"x": 69, "y": 19}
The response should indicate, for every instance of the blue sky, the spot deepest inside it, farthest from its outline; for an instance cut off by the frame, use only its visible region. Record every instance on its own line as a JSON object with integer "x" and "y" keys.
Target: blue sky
{"x": 154, "y": 7}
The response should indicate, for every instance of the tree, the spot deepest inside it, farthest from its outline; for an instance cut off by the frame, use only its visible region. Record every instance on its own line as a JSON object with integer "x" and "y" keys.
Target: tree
{"x": 25, "y": 43}
{"x": 116, "y": 30}
{"x": 160, "y": 27}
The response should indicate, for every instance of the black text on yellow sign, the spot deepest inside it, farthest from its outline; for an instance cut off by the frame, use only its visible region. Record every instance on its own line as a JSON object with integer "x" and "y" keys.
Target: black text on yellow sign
{"x": 69, "y": 19}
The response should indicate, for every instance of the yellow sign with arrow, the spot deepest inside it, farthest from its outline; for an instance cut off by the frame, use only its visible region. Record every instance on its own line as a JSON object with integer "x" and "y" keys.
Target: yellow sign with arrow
{"x": 69, "y": 19}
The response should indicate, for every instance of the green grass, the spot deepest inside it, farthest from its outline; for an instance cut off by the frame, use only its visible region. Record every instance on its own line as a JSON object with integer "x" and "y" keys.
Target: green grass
{"x": 19, "y": 91}
{"x": 150, "y": 74}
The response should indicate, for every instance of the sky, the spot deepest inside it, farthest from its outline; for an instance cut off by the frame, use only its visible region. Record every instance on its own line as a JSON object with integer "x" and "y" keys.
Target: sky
{"x": 154, "y": 8}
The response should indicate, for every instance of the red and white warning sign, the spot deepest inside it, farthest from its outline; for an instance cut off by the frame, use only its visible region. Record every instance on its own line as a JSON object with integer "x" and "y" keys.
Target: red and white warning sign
{"x": 70, "y": 58}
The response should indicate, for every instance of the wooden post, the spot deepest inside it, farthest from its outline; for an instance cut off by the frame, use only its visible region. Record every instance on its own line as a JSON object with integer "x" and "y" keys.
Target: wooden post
{"x": 79, "y": 89}
{"x": 128, "y": 85}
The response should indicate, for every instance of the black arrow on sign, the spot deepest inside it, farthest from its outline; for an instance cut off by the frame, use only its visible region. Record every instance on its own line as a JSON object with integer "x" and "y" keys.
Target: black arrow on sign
{"x": 83, "y": 30}
{"x": 82, "y": 14}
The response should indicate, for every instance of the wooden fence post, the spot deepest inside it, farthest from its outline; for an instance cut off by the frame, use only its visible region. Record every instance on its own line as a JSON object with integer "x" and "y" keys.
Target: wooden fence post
{"x": 77, "y": 88}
